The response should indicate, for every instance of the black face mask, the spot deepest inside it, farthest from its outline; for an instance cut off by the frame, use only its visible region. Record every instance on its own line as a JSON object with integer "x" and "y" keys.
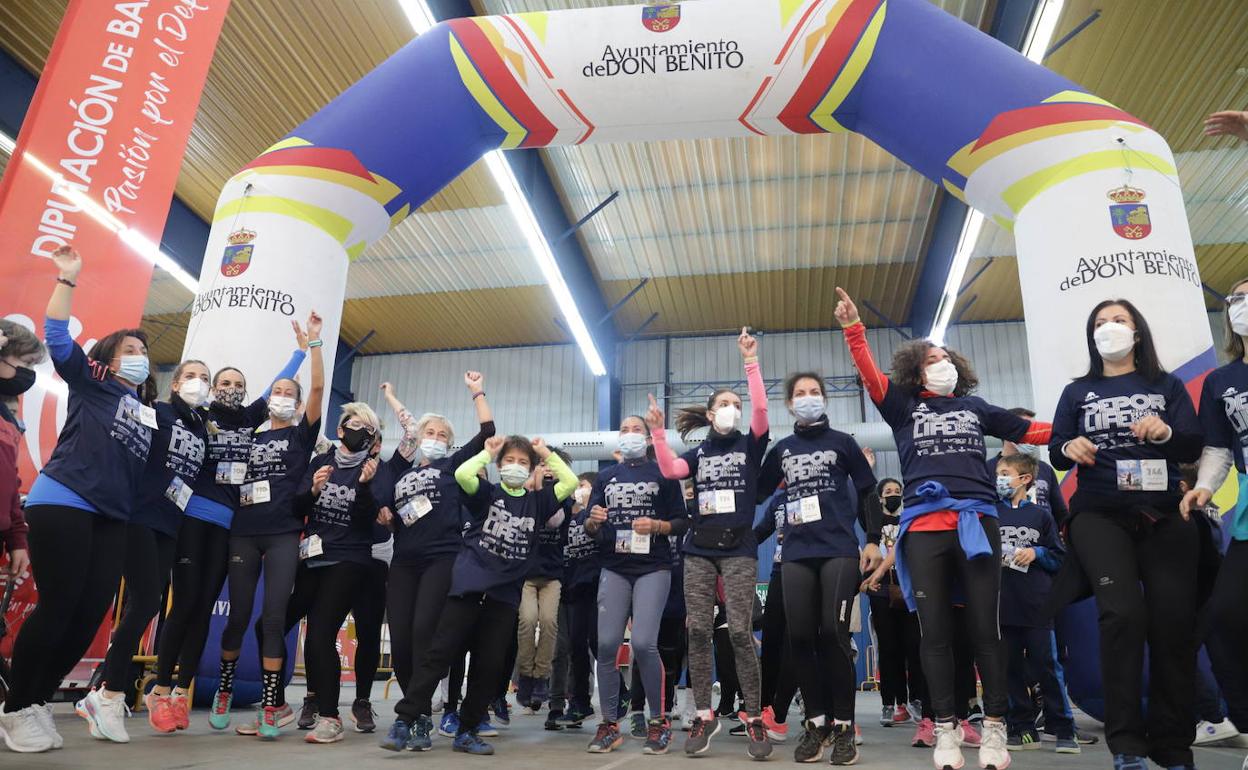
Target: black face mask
{"x": 355, "y": 439}
{"x": 19, "y": 383}
{"x": 892, "y": 503}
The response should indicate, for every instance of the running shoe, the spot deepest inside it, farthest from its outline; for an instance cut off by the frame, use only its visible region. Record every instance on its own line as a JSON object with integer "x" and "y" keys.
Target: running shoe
{"x": 251, "y": 727}
{"x": 700, "y": 734}
{"x": 1129, "y": 762}
{"x": 901, "y": 716}
{"x": 307, "y": 714}
{"x": 23, "y": 733}
{"x": 658, "y": 736}
{"x": 886, "y": 717}
{"x": 970, "y": 736}
{"x": 1027, "y": 740}
{"x": 420, "y": 738}
{"x": 607, "y": 739}
{"x": 637, "y": 725}
{"x": 844, "y": 750}
{"x": 810, "y": 745}
{"x": 363, "y": 716}
{"x": 760, "y": 745}
{"x": 327, "y": 730}
{"x": 285, "y": 715}
{"x": 1068, "y": 745}
{"x": 44, "y": 713}
{"x": 576, "y": 715}
{"x": 739, "y": 731}
{"x": 449, "y": 726}
{"x": 778, "y": 732}
{"x": 924, "y": 735}
{"x": 502, "y": 712}
{"x": 398, "y": 737}
{"x": 181, "y": 709}
{"x": 1087, "y": 739}
{"x": 947, "y": 747}
{"x": 471, "y": 743}
{"x": 486, "y": 729}
{"x": 160, "y": 713}
{"x": 976, "y": 714}
{"x": 106, "y": 717}
{"x": 993, "y": 753}
{"x": 219, "y": 716}
{"x": 271, "y": 721}
{"x": 554, "y": 720}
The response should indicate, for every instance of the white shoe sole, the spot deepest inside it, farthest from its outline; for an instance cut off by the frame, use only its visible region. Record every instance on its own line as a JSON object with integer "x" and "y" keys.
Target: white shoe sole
{"x": 93, "y": 723}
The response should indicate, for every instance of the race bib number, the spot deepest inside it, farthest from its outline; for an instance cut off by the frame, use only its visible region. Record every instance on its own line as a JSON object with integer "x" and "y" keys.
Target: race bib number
{"x": 415, "y": 510}
{"x": 725, "y": 501}
{"x": 628, "y": 541}
{"x": 147, "y": 416}
{"x": 1142, "y": 476}
{"x": 179, "y": 493}
{"x": 255, "y": 492}
{"x": 808, "y": 510}
{"x": 231, "y": 473}
{"x": 310, "y": 546}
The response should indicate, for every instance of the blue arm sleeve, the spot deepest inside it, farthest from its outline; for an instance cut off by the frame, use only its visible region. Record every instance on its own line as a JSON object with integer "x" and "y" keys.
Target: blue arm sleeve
{"x": 289, "y": 371}
{"x": 1048, "y": 559}
{"x": 56, "y": 336}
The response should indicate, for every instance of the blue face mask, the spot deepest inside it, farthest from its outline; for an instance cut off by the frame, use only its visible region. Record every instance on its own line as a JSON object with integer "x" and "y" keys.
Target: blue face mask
{"x": 632, "y": 445}
{"x": 133, "y": 369}
{"x": 433, "y": 449}
{"x": 808, "y": 409}
{"x": 1005, "y": 487}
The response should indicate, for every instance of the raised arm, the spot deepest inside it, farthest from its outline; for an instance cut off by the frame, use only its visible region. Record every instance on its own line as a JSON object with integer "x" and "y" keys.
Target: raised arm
{"x": 565, "y": 480}
{"x": 316, "y": 394}
{"x": 410, "y": 441}
{"x": 69, "y": 265}
{"x": 748, "y": 346}
{"x": 671, "y": 466}
{"x": 466, "y": 474}
{"x": 873, "y": 380}
{"x": 476, "y": 386}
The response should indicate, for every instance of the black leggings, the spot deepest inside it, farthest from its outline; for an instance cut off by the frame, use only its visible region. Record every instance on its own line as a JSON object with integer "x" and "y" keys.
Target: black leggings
{"x": 279, "y": 556}
{"x": 323, "y": 595}
{"x": 1228, "y": 623}
{"x": 818, "y": 604}
{"x": 149, "y": 557}
{"x": 199, "y": 568}
{"x": 76, "y": 557}
{"x": 509, "y": 662}
{"x": 472, "y": 623}
{"x": 454, "y": 679}
{"x": 583, "y": 643}
{"x": 672, "y": 647}
{"x": 776, "y": 660}
{"x": 1118, "y": 554}
{"x": 415, "y": 595}
{"x": 937, "y": 564}
{"x": 725, "y": 665}
{"x": 369, "y": 610}
{"x": 897, "y": 639}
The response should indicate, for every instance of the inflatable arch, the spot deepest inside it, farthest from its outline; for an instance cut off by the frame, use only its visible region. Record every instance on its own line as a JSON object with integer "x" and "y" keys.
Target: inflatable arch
{"x": 1090, "y": 192}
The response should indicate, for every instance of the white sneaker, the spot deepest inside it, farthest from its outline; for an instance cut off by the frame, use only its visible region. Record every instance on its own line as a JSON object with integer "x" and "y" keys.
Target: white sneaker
{"x": 23, "y": 733}
{"x": 1214, "y": 732}
{"x": 105, "y": 716}
{"x": 993, "y": 754}
{"x": 48, "y": 724}
{"x": 948, "y": 752}
{"x": 327, "y": 730}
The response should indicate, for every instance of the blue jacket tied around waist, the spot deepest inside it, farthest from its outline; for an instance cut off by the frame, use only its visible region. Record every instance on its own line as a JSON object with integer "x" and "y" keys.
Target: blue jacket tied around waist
{"x": 970, "y": 532}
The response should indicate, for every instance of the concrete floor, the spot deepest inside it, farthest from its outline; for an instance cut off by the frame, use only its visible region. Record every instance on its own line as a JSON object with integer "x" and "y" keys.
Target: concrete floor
{"x": 526, "y": 746}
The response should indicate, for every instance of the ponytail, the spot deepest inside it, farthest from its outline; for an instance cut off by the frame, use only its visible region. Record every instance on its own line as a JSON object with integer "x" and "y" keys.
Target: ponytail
{"x": 690, "y": 418}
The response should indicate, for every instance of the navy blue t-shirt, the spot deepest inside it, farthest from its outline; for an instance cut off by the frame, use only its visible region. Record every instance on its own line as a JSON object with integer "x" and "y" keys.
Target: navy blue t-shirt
{"x": 580, "y": 555}
{"x": 1024, "y": 590}
{"x": 173, "y": 464}
{"x": 501, "y": 542}
{"x": 1127, "y": 470}
{"x": 429, "y": 497}
{"x": 1224, "y": 410}
{"x": 278, "y": 458}
{"x": 632, "y": 490}
{"x": 228, "y": 446}
{"x": 825, "y": 475}
{"x": 548, "y": 563}
{"x": 941, "y": 438}
{"x": 342, "y": 515}
{"x": 1048, "y": 489}
{"x": 102, "y": 450}
{"x": 725, "y": 487}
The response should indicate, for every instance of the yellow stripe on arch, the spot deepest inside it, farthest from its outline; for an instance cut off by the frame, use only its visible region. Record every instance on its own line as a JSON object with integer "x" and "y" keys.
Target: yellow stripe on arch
{"x": 381, "y": 190}
{"x": 968, "y": 160}
{"x": 1019, "y": 194}
{"x": 288, "y": 142}
{"x": 850, "y": 73}
{"x": 332, "y": 224}
{"x": 476, "y": 86}
{"x": 1077, "y": 96}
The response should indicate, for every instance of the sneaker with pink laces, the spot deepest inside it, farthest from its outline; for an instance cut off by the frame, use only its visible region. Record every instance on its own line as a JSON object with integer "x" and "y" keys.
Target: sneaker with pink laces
{"x": 970, "y": 736}
{"x": 925, "y": 735}
{"x": 778, "y": 732}
{"x": 181, "y": 706}
{"x": 160, "y": 713}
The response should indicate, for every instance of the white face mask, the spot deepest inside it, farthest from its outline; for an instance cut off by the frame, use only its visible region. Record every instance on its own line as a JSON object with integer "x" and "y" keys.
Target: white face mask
{"x": 808, "y": 409}
{"x": 281, "y": 407}
{"x": 513, "y": 475}
{"x": 727, "y": 418}
{"x": 193, "y": 392}
{"x": 581, "y": 495}
{"x": 632, "y": 445}
{"x": 1114, "y": 341}
{"x": 1238, "y": 314}
{"x": 941, "y": 377}
{"x": 433, "y": 449}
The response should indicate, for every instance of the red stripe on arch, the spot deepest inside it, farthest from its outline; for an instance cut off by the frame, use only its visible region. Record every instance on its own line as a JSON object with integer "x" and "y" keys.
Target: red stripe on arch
{"x": 827, "y": 66}
{"x": 1016, "y": 121}
{"x": 330, "y": 158}
{"x": 549, "y": 75}
{"x": 504, "y": 85}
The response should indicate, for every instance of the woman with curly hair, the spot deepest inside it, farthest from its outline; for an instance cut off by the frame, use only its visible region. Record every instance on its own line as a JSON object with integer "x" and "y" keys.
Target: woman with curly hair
{"x": 949, "y": 544}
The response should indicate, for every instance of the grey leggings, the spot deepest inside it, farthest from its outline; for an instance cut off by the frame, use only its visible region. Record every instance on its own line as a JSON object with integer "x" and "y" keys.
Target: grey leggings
{"x": 739, "y": 573}
{"x": 643, "y": 598}
{"x": 279, "y": 555}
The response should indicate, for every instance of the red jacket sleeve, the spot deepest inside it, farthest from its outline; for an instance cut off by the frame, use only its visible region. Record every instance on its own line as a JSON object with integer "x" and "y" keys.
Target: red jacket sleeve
{"x": 873, "y": 379}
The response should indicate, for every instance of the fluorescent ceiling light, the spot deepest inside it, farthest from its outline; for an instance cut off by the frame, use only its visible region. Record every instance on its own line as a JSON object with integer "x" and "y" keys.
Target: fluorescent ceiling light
{"x": 422, "y": 19}
{"x": 1043, "y": 25}
{"x": 140, "y": 244}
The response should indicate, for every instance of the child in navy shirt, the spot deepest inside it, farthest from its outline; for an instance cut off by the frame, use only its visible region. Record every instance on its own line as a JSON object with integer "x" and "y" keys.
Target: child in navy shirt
{"x": 1030, "y": 554}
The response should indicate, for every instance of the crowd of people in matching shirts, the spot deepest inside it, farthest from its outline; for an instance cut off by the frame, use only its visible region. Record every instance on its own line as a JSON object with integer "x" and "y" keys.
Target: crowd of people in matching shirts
{"x": 539, "y": 575}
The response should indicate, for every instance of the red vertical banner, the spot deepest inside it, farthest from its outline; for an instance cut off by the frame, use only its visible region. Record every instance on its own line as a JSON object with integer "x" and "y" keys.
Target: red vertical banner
{"x": 95, "y": 167}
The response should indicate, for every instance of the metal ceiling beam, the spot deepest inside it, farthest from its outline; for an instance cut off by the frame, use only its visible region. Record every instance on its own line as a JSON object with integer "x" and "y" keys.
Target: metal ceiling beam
{"x": 185, "y": 236}
{"x": 1010, "y": 22}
